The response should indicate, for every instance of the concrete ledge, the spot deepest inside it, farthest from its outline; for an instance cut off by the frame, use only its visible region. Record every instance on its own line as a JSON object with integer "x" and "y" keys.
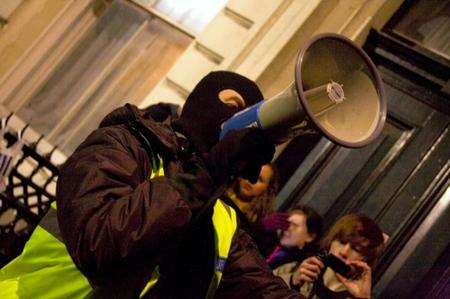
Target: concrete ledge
{"x": 260, "y": 39}
{"x": 190, "y": 68}
{"x": 223, "y": 35}
{"x": 255, "y": 10}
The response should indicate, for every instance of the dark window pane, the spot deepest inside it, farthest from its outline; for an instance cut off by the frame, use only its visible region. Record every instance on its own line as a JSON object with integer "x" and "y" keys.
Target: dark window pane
{"x": 427, "y": 23}
{"x": 120, "y": 59}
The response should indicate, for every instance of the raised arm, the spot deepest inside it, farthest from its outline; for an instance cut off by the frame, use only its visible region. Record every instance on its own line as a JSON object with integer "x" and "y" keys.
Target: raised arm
{"x": 247, "y": 275}
{"x": 112, "y": 217}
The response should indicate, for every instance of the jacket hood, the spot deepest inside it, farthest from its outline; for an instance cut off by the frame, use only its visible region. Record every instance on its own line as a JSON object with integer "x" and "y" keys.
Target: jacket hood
{"x": 129, "y": 113}
{"x": 121, "y": 115}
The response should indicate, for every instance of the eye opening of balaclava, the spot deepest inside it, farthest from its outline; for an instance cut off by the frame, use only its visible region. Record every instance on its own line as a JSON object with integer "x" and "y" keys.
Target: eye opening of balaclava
{"x": 204, "y": 112}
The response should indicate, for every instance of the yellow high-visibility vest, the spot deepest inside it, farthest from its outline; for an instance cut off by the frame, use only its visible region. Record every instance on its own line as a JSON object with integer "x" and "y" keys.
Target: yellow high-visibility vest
{"x": 46, "y": 270}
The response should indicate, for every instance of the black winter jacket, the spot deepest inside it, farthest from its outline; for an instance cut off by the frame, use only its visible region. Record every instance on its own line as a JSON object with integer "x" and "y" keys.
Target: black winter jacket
{"x": 118, "y": 225}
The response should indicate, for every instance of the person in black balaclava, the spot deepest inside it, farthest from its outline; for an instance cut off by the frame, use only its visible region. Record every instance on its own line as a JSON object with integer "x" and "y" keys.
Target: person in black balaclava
{"x": 204, "y": 111}
{"x": 216, "y": 98}
{"x": 139, "y": 209}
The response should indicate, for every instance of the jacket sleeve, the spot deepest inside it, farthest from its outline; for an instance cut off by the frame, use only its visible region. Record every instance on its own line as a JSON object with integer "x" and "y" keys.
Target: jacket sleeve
{"x": 112, "y": 218}
{"x": 246, "y": 275}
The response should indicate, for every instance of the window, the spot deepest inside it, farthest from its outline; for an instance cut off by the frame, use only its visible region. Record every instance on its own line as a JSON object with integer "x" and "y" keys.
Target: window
{"x": 98, "y": 56}
{"x": 110, "y": 55}
{"x": 425, "y": 23}
{"x": 194, "y": 15}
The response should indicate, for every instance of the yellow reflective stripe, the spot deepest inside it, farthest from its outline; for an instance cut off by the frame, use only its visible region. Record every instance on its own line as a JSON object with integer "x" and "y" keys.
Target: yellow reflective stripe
{"x": 152, "y": 282}
{"x": 155, "y": 275}
{"x": 225, "y": 224}
{"x": 160, "y": 171}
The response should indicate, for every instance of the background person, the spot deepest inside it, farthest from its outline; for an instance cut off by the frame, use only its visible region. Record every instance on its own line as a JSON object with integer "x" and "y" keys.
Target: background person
{"x": 354, "y": 239}
{"x": 256, "y": 200}
{"x": 253, "y": 203}
{"x": 297, "y": 242}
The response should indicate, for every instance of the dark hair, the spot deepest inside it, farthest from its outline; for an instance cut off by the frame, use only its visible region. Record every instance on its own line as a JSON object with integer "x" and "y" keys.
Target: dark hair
{"x": 313, "y": 225}
{"x": 361, "y": 232}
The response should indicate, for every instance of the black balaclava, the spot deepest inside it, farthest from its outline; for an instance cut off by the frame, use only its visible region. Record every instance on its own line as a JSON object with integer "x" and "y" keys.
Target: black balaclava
{"x": 203, "y": 112}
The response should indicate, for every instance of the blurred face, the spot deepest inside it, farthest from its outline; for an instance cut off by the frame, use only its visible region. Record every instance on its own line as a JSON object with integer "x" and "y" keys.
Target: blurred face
{"x": 346, "y": 251}
{"x": 297, "y": 233}
{"x": 248, "y": 191}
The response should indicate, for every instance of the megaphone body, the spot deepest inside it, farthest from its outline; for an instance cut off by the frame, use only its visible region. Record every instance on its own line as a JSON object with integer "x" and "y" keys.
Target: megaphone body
{"x": 337, "y": 92}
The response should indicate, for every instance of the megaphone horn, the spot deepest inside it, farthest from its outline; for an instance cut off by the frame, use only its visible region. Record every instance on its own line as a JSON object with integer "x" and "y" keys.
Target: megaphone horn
{"x": 337, "y": 91}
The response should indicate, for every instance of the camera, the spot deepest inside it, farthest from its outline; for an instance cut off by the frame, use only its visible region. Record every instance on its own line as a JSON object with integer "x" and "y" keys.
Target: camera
{"x": 330, "y": 260}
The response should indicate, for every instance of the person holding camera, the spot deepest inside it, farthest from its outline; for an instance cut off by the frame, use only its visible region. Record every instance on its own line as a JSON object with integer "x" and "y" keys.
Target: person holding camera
{"x": 352, "y": 248}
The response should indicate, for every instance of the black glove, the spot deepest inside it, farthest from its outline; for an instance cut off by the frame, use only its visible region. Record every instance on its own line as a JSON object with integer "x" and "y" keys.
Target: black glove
{"x": 240, "y": 153}
{"x": 193, "y": 181}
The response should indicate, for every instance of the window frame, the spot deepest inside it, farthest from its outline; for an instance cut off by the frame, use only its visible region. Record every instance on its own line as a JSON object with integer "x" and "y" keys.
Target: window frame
{"x": 395, "y": 19}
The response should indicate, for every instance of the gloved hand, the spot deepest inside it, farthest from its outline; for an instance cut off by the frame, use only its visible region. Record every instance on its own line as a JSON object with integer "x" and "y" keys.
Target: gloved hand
{"x": 193, "y": 181}
{"x": 240, "y": 153}
{"x": 275, "y": 221}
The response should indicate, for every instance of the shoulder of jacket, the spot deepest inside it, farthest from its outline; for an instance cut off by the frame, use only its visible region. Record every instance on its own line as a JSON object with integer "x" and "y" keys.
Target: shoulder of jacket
{"x": 286, "y": 268}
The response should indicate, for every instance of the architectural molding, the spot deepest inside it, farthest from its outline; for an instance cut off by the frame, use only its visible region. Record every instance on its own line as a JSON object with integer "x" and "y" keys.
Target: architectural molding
{"x": 260, "y": 39}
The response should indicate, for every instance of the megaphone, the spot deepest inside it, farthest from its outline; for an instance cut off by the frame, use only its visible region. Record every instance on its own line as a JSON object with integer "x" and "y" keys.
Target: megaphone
{"x": 337, "y": 92}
